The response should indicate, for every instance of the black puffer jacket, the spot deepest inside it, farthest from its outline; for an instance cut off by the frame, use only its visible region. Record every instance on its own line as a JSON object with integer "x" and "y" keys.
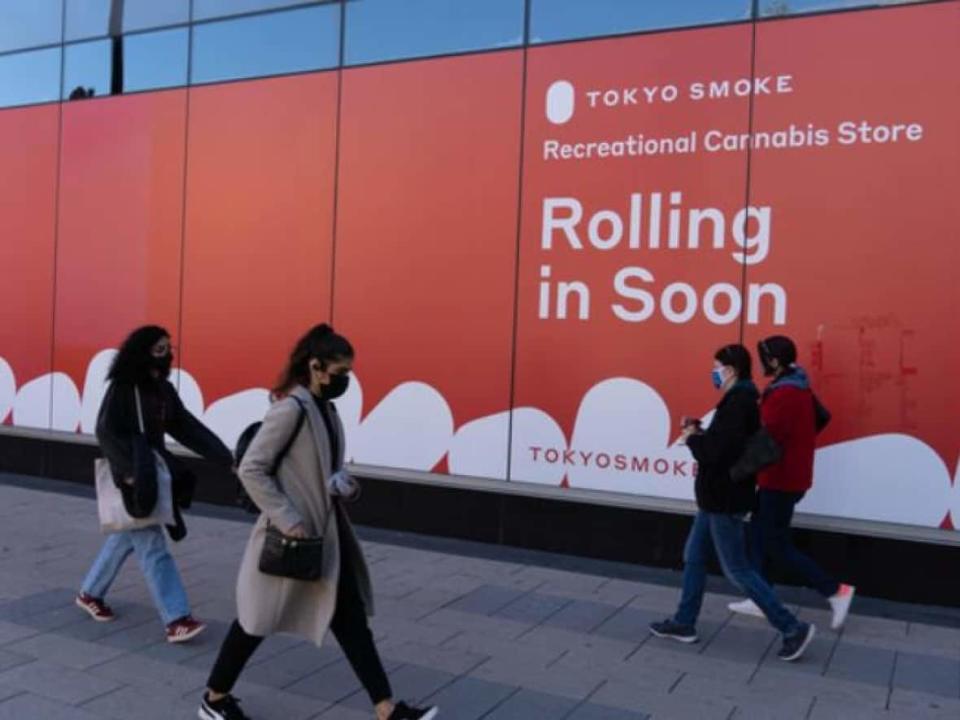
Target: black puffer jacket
{"x": 720, "y": 446}
{"x": 163, "y": 413}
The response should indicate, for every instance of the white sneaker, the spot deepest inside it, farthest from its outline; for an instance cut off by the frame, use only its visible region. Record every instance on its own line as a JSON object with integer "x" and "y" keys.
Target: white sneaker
{"x": 746, "y": 607}
{"x": 840, "y": 604}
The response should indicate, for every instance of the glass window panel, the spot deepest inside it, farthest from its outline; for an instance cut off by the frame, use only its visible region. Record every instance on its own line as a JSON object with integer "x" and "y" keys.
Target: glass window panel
{"x": 29, "y": 23}
{"x": 775, "y": 8}
{"x": 155, "y": 60}
{"x": 30, "y": 77}
{"x": 379, "y": 30}
{"x": 270, "y": 44}
{"x": 92, "y": 18}
{"x": 89, "y": 18}
{"x": 552, "y": 20}
{"x": 143, "y": 14}
{"x": 150, "y": 60}
{"x": 86, "y": 70}
{"x": 205, "y": 9}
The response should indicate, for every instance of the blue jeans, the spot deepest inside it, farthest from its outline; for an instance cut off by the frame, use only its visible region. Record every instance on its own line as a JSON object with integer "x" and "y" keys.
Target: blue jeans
{"x": 725, "y": 534}
{"x": 770, "y": 539}
{"x": 156, "y": 562}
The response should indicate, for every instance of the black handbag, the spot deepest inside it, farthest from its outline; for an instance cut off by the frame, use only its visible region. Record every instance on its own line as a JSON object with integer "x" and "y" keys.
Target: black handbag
{"x": 289, "y": 557}
{"x": 760, "y": 451}
{"x": 296, "y": 558}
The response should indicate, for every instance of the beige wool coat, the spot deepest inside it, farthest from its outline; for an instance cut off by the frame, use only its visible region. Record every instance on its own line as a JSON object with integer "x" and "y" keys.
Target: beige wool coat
{"x": 298, "y": 494}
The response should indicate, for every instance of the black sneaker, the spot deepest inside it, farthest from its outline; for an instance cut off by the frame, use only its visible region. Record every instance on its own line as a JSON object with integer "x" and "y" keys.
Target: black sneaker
{"x": 226, "y": 708}
{"x": 669, "y": 628}
{"x": 795, "y": 645}
{"x": 402, "y": 711}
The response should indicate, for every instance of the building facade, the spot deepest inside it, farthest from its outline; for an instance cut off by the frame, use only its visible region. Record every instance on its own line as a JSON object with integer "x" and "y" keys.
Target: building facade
{"x": 536, "y": 220}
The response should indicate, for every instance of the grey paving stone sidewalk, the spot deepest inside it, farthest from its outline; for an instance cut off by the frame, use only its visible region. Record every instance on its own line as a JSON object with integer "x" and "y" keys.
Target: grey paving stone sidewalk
{"x": 484, "y": 637}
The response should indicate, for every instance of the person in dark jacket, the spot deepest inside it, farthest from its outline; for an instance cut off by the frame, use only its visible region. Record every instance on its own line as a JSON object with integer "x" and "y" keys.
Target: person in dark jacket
{"x": 143, "y": 363}
{"x": 722, "y": 506}
{"x": 787, "y": 413}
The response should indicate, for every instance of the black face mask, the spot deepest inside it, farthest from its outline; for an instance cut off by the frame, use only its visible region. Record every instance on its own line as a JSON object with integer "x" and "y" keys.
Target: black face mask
{"x": 337, "y": 387}
{"x": 162, "y": 364}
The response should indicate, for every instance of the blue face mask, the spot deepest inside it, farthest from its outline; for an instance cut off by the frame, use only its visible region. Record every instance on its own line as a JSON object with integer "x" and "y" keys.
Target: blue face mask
{"x": 717, "y": 378}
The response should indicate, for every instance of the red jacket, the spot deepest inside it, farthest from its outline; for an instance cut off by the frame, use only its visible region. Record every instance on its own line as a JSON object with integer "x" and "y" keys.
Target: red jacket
{"x": 787, "y": 414}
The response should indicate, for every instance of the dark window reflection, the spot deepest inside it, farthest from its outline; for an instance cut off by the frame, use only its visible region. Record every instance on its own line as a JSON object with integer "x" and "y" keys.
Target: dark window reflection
{"x": 205, "y": 9}
{"x": 29, "y": 23}
{"x": 30, "y": 77}
{"x": 270, "y": 44}
{"x": 378, "y": 30}
{"x": 552, "y": 20}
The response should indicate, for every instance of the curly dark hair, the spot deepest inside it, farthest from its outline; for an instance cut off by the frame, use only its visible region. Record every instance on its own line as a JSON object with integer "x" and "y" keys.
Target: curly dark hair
{"x": 132, "y": 363}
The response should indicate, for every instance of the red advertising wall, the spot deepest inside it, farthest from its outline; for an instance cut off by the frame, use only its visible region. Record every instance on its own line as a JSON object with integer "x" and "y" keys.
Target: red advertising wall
{"x": 862, "y": 246}
{"x": 852, "y": 166}
{"x": 426, "y": 247}
{"x": 119, "y": 237}
{"x": 611, "y": 166}
{"x": 28, "y": 191}
{"x": 536, "y": 253}
{"x": 258, "y": 236}
{"x": 866, "y": 245}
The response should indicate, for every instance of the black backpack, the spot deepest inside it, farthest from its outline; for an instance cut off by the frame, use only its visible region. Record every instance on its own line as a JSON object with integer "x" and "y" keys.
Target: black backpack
{"x": 243, "y": 442}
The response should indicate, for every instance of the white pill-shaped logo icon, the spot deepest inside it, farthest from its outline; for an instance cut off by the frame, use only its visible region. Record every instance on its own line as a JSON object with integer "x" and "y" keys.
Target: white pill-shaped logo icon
{"x": 560, "y": 97}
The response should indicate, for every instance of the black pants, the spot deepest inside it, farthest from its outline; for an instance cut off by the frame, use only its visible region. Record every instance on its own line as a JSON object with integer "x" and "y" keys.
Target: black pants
{"x": 349, "y": 626}
{"x": 770, "y": 530}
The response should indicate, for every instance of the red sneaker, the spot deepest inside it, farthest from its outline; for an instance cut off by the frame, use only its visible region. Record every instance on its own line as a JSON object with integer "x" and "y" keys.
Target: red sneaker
{"x": 184, "y": 629}
{"x": 95, "y": 607}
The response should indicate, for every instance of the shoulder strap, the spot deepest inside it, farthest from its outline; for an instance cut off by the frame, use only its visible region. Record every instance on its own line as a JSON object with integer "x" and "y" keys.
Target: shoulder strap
{"x": 136, "y": 395}
{"x": 301, "y": 416}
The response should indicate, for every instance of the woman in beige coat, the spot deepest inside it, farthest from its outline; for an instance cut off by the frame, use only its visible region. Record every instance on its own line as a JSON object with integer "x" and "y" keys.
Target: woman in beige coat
{"x": 301, "y": 496}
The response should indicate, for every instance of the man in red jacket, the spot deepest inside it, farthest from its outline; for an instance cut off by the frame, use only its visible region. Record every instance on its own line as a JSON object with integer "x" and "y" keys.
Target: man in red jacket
{"x": 787, "y": 412}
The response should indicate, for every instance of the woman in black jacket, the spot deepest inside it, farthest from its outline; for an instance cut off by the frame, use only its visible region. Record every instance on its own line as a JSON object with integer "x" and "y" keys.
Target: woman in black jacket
{"x": 141, "y": 367}
{"x": 722, "y": 507}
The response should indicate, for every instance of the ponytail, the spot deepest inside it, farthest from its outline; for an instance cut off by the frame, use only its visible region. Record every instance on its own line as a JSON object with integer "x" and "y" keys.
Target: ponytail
{"x": 319, "y": 343}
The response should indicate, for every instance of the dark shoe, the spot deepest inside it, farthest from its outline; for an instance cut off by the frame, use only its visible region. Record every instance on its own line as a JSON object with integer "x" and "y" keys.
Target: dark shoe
{"x": 669, "y": 628}
{"x": 402, "y": 711}
{"x": 795, "y": 645}
{"x": 95, "y": 607}
{"x": 226, "y": 708}
{"x": 184, "y": 629}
